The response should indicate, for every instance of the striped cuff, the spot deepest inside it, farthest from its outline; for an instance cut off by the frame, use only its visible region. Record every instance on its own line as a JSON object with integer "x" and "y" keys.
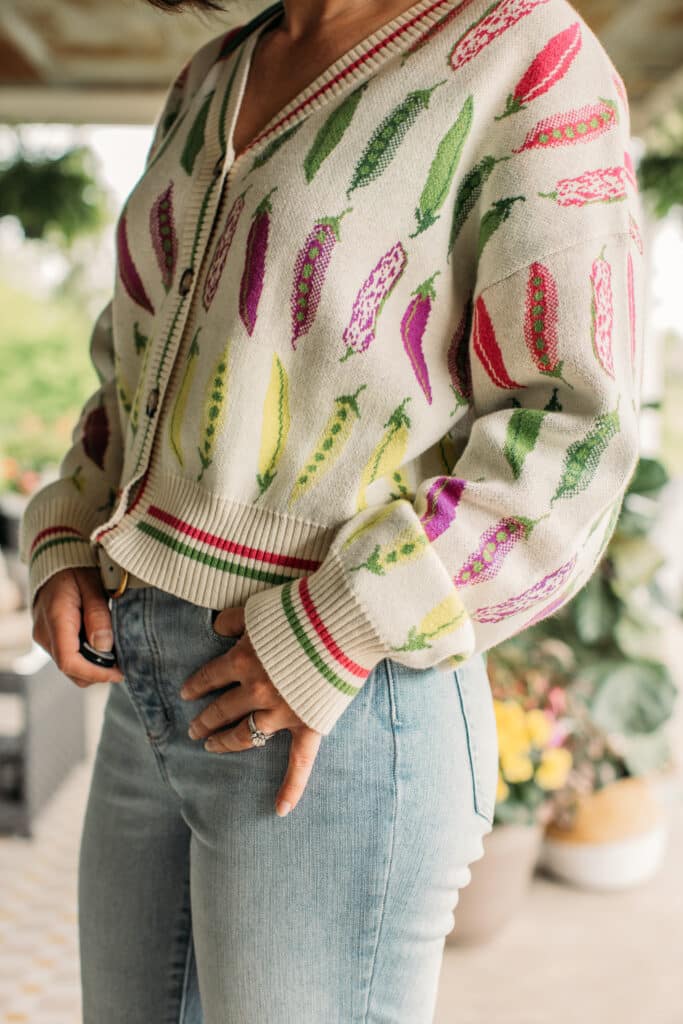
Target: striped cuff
{"x": 315, "y": 642}
{"x": 54, "y": 536}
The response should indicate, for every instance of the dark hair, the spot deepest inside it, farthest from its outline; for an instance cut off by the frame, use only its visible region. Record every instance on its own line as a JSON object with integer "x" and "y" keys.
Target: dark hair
{"x": 180, "y": 5}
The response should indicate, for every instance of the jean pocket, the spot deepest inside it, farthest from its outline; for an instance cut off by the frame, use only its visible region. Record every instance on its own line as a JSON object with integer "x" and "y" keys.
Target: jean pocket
{"x": 210, "y": 616}
{"x": 478, "y": 711}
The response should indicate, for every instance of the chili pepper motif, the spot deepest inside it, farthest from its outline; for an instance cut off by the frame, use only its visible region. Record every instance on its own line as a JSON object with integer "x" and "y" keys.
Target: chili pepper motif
{"x": 496, "y": 19}
{"x": 261, "y": 158}
{"x": 442, "y": 499}
{"x": 388, "y": 454}
{"x": 127, "y": 269}
{"x": 605, "y": 185}
{"x": 458, "y": 358}
{"x": 522, "y": 602}
{"x": 162, "y": 230}
{"x": 330, "y": 134}
{"x": 630, "y": 284}
{"x": 630, "y": 170}
{"x": 195, "y": 137}
{"x": 443, "y": 168}
{"x": 454, "y": 11}
{"x": 487, "y": 348}
{"x": 310, "y": 268}
{"x": 333, "y": 437}
{"x": 275, "y": 424}
{"x": 494, "y": 545}
{"x": 546, "y": 69}
{"x": 178, "y": 415}
{"x": 541, "y": 321}
{"x": 602, "y": 312}
{"x": 369, "y": 301}
{"x": 95, "y": 436}
{"x": 386, "y": 138}
{"x": 468, "y": 195}
{"x": 566, "y": 129}
{"x": 582, "y": 457}
{"x": 222, "y": 249}
{"x": 523, "y": 429}
{"x": 446, "y": 617}
{"x": 493, "y": 218}
{"x": 404, "y": 547}
{"x": 413, "y": 325}
{"x": 214, "y": 411}
{"x": 635, "y": 234}
{"x": 251, "y": 284}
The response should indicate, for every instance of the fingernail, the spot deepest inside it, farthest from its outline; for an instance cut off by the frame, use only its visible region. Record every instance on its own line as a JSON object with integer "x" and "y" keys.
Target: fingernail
{"x": 102, "y": 640}
{"x": 193, "y": 732}
{"x": 283, "y": 807}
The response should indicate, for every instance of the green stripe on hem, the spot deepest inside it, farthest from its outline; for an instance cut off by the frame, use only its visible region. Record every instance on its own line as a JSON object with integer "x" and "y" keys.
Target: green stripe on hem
{"x": 52, "y": 543}
{"x": 310, "y": 650}
{"x": 211, "y": 560}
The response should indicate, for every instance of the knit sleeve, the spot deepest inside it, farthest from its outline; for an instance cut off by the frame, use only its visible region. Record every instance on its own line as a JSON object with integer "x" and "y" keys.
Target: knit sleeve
{"x": 60, "y": 516}
{"x": 552, "y": 375}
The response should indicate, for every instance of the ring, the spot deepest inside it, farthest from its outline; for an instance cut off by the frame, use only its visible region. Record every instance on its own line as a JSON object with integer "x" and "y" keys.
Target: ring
{"x": 259, "y": 738}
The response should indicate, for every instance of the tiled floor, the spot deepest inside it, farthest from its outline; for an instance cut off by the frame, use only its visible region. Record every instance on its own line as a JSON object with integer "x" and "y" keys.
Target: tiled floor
{"x": 569, "y": 957}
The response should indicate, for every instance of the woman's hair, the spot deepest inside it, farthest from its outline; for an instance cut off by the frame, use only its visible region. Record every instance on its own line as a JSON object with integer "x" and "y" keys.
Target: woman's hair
{"x": 178, "y": 5}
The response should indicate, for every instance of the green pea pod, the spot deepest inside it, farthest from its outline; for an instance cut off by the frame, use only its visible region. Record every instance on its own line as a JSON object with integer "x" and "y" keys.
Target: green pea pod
{"x": 523, "y": 429}
{"x": 468, "y": 195}
{"x": 494, "y": 217}
{"x": 443, "y": 168}
{"x": 195, "y": 136}
{"x": 261, "y": 158}
{"x": 582, "y": 458}
{"x": 331, "y": 132}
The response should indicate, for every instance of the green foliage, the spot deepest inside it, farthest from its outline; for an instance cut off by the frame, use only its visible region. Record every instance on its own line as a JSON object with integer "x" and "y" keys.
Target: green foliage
{"x": 53, "y": 197}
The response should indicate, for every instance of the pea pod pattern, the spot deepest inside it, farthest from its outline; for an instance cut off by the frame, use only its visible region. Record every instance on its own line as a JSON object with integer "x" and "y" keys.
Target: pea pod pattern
{"x": 386, "y": 138}
{"x": 163, "y": 232}
{"x": 214, "y": 411}
{"x": 369, "y": 301}
{"x": 582, "y": 457}
{"x": 388, "y": 454}
{"x": 604, "y": 185}
{"x": 413, "y": 326}
{"x": 541, "y": 321}
{"x": 468, "y": 195}
{"x": 180, "y": 404}
{"x": 331, "y": 132}
{"x": 447, "y": 616}
{"x": 487, "y": 349}
{"x": 333, "y": 438}
{"x": 194, "y": 142}
{"x": 442, "y": 168}
{"x": 128, "y": 272}
{"x": 276, "y": 421}
{"x": 602, "y": 312}
{"x": 519, "y": 603}
{"x": 254, "y": 270}
{"x": 458, "y": 357}
{"x": 271, "y": 149}
{"x": 582, "y": 125}
{"x": 494, "y": 546}
{"x": 220, "y": 253}
{"x": 496, "y": 215}
{"x": 442, "y": 500}
{"x": 497, "y": 19}
{"x": 523, "y": 430}
{"x": 405, "y": 546}
{"x": 310, "y": 267}
{"x": 548, "y": 67}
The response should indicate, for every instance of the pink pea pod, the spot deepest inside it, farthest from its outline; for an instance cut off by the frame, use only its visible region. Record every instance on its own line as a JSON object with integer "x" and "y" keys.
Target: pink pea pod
{"x": 602, "y": 312}
{"x": 496, "y": 19}
{"x": 604, "y": 185}
{"x": 310, "y": 269}
{"x": 162, "y": 230}
{"x": 494, "y": 545}
{"x": 572, "y": 126}
{"x": 529, "y": 597}
{"x": 222, "y": 249}
{"x": 373, "y": 293}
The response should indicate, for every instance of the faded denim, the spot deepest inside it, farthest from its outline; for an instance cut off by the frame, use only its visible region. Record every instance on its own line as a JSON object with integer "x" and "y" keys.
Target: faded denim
{"x": 199, "y": 905}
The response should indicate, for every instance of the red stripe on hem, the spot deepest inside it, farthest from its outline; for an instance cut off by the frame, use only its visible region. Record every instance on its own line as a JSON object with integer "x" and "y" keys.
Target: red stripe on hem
{"x": 50, "y": 530}
{"x": 328, "y": 640}
{"x": 243, "y": 550}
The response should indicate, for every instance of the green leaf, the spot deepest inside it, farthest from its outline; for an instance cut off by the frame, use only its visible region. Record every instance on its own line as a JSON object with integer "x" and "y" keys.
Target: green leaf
{"x": 595, "y": 611}
{"x": 650, "y": 475}
{"x": 634, "y": 697}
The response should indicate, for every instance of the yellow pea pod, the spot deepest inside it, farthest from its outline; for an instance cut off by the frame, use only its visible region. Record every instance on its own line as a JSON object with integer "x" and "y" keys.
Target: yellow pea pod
{"x": 214, "y": 411}
{"x": 329, "y": 445}
{"x": 388, "y": 454}
{"x": 180, "y": 405}
{"x": 445, "y": 617}
{"x": 382, "y": 513}
{"x": 275, "y": 424}
{"x": 403, "y": 547}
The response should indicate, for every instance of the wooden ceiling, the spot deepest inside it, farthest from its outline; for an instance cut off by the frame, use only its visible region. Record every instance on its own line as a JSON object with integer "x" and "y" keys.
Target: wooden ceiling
{"x": 111, "y": 60}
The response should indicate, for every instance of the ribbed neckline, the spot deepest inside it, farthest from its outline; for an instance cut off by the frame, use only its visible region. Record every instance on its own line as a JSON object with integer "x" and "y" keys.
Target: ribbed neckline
{"x": 391, "y": 39}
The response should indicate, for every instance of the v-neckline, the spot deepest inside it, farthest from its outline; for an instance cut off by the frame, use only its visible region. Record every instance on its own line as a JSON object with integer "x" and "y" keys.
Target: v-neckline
{"x": 356, "y": 64}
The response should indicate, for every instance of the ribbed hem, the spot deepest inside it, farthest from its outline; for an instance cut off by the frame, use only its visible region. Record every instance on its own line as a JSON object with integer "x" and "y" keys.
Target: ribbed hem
{"x": 54, "y": 535}
{"x": 315, "y": 642}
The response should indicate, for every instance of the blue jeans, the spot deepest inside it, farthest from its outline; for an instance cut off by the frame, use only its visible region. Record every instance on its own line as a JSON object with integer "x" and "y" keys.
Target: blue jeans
{"x": 199, "y": 905}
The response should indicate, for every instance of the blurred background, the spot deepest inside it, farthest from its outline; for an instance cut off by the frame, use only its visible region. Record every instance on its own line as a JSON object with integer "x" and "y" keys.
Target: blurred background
{"x": 577, "y": 908}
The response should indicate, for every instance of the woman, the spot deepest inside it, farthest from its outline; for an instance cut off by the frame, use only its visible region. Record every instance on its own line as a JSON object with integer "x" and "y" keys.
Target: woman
{"x": 369, "y": 403}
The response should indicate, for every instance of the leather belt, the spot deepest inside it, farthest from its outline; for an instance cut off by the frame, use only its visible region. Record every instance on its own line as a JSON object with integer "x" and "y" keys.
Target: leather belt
{"x": 115, "y": 579}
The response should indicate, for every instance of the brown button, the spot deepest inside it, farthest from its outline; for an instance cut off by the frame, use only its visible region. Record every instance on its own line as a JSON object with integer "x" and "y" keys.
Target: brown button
{"x": 218, "y": 167}
{"x": 152, "y": 402}
{"x": 186, "y": 281}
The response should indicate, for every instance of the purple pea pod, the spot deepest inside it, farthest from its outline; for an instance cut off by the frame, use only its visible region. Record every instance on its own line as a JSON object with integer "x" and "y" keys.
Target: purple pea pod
{"x": 443, "y": 498}
{"x": 413, "y": 325}
{"x": 458, "y": 358}
{"x": 162, "y": 230}
{"x": 310, "y": 269}
{"x": 531, "y": 596}
{"x": 222, "y": 249}
{"x": 494, "y": 544}
{"x": 369, "y": 301}
{"x": 251, "y": 284}
{"x": 128, "y": 272}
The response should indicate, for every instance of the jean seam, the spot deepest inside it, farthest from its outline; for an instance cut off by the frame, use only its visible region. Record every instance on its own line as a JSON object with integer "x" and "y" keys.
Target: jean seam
{"x": 472, "y": 756}
{"x": 156, "y": 664}
{"x": 390, "y": 864}
{"x": 391, "y": 686}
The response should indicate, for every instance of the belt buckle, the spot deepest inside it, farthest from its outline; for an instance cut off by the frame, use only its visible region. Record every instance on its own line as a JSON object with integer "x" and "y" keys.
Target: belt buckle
{"x": 105, "y": 564}
{"x": 122, "y": 585}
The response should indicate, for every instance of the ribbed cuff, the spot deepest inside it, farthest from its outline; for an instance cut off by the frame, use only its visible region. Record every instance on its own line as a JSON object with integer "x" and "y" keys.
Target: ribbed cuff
{"x": 54, "y": 536}
{"x": 315, "y": 642}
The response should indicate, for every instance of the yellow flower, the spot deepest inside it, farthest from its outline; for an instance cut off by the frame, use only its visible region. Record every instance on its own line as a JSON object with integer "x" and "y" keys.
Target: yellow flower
{"x": 517, "y": 767}
{"x": 513, "y": 735}
{"x": 538, "y": 727}
{"x": 502, "y": 790}
{"x": 554, "y": 768}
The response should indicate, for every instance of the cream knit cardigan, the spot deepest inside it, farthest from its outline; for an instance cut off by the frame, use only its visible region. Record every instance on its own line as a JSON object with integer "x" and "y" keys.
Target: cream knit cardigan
{"x": 378, "y": 377}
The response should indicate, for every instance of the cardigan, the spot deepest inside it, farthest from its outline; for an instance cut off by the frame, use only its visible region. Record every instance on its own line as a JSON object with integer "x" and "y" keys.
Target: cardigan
{"x": 376, "y": 378}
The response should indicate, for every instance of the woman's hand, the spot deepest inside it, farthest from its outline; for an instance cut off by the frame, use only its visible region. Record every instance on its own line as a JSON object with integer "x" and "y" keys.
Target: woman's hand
{"x": 57, "y": 610}
{"x": 256, "y": 693}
